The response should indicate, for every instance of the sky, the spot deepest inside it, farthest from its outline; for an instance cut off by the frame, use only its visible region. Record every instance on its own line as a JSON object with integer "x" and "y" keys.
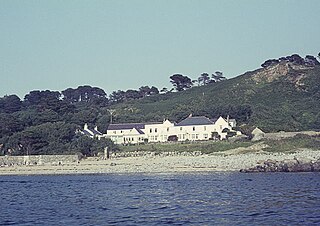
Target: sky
{"x": 125, "y": 44}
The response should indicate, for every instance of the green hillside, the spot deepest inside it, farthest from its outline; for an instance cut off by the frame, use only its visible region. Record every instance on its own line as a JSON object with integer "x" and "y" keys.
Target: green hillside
{"x": 280, "y": 97}
{"x": 283, "y": 95}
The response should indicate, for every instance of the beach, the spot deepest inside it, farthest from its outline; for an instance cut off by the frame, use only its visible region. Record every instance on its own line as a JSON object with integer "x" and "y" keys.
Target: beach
{"x": 221, "y": 162}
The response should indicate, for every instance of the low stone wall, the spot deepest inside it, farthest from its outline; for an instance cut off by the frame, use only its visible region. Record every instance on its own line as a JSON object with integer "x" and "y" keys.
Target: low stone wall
{"x": 37, "y": 160}
{"x": 150, "y": 154}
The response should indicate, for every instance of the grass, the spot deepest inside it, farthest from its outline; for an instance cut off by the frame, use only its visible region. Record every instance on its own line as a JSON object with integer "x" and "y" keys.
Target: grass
{"x": 208, "y": 147}
{"x": 293, "y": 143}
{"x": 205, "y": 147}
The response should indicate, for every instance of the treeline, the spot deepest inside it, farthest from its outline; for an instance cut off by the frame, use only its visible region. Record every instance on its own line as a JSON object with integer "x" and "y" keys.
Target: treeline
{"x": 44, "y": 122}
{"x": 309, "y": 60}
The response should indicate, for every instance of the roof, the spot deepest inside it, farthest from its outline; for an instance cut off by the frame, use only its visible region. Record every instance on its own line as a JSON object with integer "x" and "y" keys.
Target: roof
{"x": 139, "y": 131}
{"x": 85, "y": 132}
{"x": 213, "y": 120}
{"x": 195, "y": 121}
{"x": 126, "y": 126}
{"x": 95, "y": 132}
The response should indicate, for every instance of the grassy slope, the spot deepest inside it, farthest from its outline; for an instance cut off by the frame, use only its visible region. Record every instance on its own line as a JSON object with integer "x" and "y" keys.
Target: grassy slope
{"x": 283, "y": 145}
{"x": 278, "y": 105}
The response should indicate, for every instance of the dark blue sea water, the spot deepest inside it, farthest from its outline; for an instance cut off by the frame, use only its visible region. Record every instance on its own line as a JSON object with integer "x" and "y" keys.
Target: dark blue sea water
{"x": 174, "y": 199}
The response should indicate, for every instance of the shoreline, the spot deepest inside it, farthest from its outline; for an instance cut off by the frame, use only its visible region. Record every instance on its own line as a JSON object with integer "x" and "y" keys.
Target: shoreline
{"x": 218, "y": 162}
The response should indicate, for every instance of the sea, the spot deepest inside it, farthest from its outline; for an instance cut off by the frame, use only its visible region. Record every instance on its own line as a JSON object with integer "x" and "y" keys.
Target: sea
{"x": 161, "y": 199}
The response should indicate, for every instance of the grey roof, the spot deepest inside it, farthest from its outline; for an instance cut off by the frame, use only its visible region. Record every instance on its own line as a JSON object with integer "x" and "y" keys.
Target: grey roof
{"x": 95, "y": 132}
{"x": 85, "y": 132}
{"x": 139, "y": 131}
{"x": 126, "y": 126}
{"x": 190, "y": 121}
{"x": 213, "y": 120}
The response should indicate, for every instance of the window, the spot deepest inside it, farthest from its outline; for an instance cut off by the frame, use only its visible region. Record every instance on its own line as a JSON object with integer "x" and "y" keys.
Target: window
{"x": 205, "y": 128}
{"x": 197, "y": 136}
{"x": 205, "y": 136}
{"x": 194, "y": 128}
{"x": 168, "y": 129}
{"x": 150, "y": 130}
{"x": 114, "y": 132}
{"x": 220, "y": 126}
{"x": 121, "y": 131}
{"x": 155, "y": 130}
{"x": 180, "y": 128}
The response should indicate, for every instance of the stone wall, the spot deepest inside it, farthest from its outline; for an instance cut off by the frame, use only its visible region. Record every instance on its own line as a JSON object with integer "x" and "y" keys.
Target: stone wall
{"x": 150, "y": 154}
{"x": 37, "y": 159}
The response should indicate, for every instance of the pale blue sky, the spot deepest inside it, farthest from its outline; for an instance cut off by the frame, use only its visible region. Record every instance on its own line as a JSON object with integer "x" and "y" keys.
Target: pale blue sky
{"x": 123, "y": 44}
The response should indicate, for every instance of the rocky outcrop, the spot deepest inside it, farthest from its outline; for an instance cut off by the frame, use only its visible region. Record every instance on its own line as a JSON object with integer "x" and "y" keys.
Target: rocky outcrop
{"x": 290, "y": 165}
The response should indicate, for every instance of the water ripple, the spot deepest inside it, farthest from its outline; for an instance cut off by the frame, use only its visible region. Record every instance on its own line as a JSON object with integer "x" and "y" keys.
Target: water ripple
{"x": 181, "y": 199}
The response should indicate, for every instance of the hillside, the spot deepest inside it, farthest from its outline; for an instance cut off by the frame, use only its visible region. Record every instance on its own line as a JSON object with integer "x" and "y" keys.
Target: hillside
{"x": 282, "y": 96}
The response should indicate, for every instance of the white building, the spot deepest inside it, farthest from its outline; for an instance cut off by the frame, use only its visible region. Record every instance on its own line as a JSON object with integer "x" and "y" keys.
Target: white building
{"x": 191, "y": 128}
{"x": 90, "y": 132}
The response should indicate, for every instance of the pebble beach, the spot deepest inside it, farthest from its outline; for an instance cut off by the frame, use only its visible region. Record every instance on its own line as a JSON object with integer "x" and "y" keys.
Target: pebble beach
{"x": 160, "y": 164}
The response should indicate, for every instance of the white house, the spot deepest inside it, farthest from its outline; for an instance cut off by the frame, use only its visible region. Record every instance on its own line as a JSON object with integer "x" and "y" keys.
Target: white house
{"x": 90, "y": 132}
{"x": 126, "y": 133}
{"x": 191, "y": 128}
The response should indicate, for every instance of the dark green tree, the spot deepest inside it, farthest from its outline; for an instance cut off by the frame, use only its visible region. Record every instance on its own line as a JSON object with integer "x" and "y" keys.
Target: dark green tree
{"x": 204, "y": 79}
{"x": 10, "y": 104}
{"x": 180, "y": 82}
{"x": 218, "y": 77}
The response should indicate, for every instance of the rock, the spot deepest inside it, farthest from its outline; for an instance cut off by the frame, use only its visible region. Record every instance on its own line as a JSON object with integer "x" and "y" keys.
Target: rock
{"x": 290, "y": 165}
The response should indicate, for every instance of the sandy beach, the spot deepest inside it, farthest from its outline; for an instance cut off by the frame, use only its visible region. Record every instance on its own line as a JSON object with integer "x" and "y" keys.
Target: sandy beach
{"x": 160, "y": 164}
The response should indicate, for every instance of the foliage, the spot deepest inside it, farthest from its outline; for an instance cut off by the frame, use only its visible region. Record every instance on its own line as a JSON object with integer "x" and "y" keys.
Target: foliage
{"x": 10, "y": 104}
{"x": 180, "y": 82}
{"x": 282, "y": 104}
{"x": 87, "y": 94}
{"x": 52, "y": 138}
{"x": 206, "y": 147}
{"x": 293, "y": 143}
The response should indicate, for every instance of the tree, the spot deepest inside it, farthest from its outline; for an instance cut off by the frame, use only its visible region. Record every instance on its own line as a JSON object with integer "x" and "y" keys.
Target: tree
{"x": 296, "y": 59}
{"x": 180, "y": 82}
{"x": 9, "y": 124}
{"x": 204, "y": 79}
{"x": 311, "y": 60}
{"x": 117, "y": 96}
{"x": 10, "y": 104}
{"x": 164, "y": 90}
{"x": 91, "y": 147}
{"x": 43, "y": 100}
{"x": 271, "y": 62}
{"x": 85, "y": 94}
{"x": 154, "y": 90}
{"x": 131, "y": 94}
{"x": 218, "y": 76}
